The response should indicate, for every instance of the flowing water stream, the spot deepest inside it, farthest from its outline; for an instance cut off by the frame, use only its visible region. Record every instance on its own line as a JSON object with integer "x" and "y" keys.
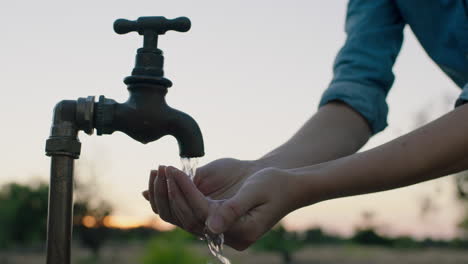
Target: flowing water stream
{"x": 215, "y": 241}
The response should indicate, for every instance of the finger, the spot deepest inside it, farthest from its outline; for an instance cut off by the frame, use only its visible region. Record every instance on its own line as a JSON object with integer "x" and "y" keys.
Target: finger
{"x": 146, "y": 195}
{"x": 153, "y": 175}
{"x": 198, "y": 203}
{"x": 179, "y": 206}
{"x": 197, "y": 179}
{"x": 202, "y": 181}
{"x": 161, "y": 196}
{"x": 233, "y": 209}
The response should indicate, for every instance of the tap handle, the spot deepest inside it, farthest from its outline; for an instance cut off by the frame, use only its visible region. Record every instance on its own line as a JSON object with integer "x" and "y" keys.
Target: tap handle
{"x": 149, "y": 59}
{"x": 157, "y": 24}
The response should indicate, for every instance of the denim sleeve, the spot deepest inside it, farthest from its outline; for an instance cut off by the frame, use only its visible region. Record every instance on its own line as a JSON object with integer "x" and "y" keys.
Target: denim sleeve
{"x": 463, "y": 98}
{"x": 363, "y": 67}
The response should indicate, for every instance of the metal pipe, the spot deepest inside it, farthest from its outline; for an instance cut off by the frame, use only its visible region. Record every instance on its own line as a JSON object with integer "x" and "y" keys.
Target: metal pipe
{"x": 60, "y": 215}
{"x": 63, "y": 147}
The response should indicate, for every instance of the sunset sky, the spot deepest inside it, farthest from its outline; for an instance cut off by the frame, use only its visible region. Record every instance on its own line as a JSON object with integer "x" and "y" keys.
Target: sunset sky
{"x": 249, "y": 72}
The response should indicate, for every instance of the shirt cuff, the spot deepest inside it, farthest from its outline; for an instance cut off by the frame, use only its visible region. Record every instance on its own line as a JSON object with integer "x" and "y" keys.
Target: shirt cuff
{"x": 368, "y": 101}
{"x": 463, "y": 99}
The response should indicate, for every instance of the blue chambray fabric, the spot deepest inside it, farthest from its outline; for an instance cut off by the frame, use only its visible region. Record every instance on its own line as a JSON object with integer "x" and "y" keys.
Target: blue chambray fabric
{"x": 463, "y": 97}
{"x": 363, "y": 67}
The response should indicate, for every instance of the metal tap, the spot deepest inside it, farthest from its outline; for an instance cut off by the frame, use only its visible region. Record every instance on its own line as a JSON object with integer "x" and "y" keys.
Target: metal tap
{"x": 145, "y": 117}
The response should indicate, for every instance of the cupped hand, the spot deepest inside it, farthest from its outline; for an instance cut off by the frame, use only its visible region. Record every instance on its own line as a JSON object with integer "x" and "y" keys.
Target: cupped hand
{"x": 219, "y": 179}
{"x": 263, "y": 199}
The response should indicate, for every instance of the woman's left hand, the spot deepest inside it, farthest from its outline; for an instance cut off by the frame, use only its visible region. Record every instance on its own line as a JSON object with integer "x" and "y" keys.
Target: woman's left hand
{"x": 263, "y": 200}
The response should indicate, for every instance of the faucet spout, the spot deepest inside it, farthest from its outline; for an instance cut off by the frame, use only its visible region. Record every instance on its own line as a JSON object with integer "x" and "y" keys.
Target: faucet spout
{"x": 187, "y": 132}
{"x": 146, "y": 117}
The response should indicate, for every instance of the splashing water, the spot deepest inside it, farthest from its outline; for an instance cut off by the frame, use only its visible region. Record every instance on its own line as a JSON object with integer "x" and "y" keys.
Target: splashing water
{"x": 189, "y": 166}
{"x": 215, "y": 241}
{"x": 215, "y": 244}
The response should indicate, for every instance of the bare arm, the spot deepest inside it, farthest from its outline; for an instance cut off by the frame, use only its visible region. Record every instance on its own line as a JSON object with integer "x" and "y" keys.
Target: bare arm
{"x": 435, "y": 150}
{"x": 335, "y": 131}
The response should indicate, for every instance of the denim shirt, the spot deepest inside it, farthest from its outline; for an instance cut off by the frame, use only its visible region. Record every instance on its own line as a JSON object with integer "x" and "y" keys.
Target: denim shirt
{"x": 363, "y": 67}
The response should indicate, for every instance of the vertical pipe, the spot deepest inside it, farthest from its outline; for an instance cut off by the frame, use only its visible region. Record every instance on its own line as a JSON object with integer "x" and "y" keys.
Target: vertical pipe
{"x": 59, "y": 228}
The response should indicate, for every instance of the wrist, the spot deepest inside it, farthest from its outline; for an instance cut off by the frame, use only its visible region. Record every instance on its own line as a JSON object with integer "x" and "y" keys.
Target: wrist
{"x": 312, "y": 184}
{"x": 296, "y": 192}
{"x": 291, "y": 182}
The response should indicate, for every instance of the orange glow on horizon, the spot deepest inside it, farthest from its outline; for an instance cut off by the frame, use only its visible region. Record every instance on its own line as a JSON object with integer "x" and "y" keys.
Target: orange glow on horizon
{"x": 128, "y": 222}
{"x": 89, "y": 221}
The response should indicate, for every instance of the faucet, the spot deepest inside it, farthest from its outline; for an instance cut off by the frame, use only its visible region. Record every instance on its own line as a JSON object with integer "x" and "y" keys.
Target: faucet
{"x": 145, "y": 117}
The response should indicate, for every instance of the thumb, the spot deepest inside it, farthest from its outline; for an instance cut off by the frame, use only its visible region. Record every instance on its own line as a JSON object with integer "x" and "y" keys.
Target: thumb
{"x": 231, "y": 210}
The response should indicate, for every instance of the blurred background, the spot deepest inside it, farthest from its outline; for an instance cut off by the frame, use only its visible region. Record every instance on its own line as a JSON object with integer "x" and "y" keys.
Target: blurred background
{"x": 250, "y": 73}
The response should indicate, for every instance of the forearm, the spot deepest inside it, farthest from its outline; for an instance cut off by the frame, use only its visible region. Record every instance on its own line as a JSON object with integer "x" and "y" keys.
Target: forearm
{"x": 334, "y": 131}
{"x": 437, "y": 149}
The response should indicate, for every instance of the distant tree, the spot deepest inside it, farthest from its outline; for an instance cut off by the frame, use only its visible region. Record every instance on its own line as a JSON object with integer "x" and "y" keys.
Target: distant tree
{"x": 366, "y": 233}
{"x": 369, "y": 236}
{"x": 89, "y": 224}
{"x": 318, "y": 236}
{"x": 314, "y": 236}
{"x": 279, "y": 240}
{"x": 89, "y": 217}
{"x": 23, "y": 214}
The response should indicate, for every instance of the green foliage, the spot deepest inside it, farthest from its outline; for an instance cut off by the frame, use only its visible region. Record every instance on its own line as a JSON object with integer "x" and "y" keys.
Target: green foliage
{"x": 23, "y": 214}
{"x": 92, "y": 259}
{"x": 406, "y": 242}
{"x": 171, "y": 247}
{"x": 281, "y": 241}
{"x": 133, "y": 234}
{"x": 369, "y": 237}
{"x": 317, "y": 236}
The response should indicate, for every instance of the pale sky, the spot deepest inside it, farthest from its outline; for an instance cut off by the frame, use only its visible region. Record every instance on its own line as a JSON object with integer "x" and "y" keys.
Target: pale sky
{"x": 249, "y": 72}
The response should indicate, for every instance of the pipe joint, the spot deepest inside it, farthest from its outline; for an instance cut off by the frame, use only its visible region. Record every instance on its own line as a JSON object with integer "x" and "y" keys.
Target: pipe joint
{"x": 63, "y": 139}
{"x": 63, "y": 146}
{"x": 85, "y": 114}
{"x": 105, "y": 116}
